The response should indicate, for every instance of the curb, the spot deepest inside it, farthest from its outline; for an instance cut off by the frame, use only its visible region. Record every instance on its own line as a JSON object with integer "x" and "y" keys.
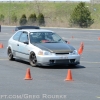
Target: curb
{"x": 57, "y": 28}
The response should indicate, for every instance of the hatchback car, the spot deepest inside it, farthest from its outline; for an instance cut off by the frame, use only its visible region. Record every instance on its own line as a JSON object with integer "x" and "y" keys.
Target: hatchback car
{"x": 41, "y": 47}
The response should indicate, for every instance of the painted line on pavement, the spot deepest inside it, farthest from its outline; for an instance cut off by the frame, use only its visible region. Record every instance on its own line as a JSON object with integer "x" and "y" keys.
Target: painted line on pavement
{"x": 93, "y": 50}
{"x": 98, "y": 97}
{"x": 3, "y": 59}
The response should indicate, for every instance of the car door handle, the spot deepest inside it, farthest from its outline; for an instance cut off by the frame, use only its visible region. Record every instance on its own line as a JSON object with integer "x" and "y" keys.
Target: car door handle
{"x": 17, "y": 44}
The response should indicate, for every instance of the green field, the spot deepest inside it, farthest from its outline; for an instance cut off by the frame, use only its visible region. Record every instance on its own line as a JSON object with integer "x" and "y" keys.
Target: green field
{"x": 56, "y": 14}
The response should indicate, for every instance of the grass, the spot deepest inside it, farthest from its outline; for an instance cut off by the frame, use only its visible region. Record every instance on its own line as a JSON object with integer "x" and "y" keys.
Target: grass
{"x": 56, "y": 13}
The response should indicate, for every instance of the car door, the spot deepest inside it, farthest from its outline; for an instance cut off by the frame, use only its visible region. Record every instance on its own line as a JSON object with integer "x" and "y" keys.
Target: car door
{"x": 14, "y": 42}
{"x": 23, "y": 46}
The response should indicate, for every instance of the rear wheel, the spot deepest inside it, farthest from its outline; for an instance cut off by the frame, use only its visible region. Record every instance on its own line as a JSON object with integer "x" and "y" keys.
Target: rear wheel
{"x": 10, "y": 54}
{"x": 33, "y": 59}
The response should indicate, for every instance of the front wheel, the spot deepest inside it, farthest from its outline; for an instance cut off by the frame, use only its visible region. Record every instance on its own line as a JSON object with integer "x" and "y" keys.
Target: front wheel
{"x": 10, "y": 55}
{"x": 33, "y": 60}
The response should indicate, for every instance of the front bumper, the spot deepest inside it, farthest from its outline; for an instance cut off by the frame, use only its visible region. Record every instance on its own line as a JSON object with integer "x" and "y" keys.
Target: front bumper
{"x": 58, "y": 60}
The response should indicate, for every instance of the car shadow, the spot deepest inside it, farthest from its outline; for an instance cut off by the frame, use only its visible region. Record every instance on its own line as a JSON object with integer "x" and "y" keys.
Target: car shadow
{"x": 53, "y": 67}
{"x": 21, "y": 61}
{"x": 63, "y": 67}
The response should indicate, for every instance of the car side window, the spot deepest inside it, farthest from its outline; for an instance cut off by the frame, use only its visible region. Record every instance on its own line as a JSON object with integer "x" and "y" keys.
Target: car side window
{"x": 17, "y": 35}
{"x": 24, "y": 37}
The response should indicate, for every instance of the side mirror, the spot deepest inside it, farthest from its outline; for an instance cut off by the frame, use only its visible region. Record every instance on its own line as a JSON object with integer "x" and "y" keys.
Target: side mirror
{"x": 26, "y": 42}
{"x": 67, "y": 42}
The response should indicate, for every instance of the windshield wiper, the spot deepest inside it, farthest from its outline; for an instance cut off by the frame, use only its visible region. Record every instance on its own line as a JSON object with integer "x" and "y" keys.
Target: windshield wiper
{"x": 51, "y": 42}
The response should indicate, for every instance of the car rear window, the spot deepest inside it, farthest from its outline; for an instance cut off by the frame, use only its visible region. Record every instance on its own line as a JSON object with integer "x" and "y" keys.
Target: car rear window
{"x": 17, "y": 35}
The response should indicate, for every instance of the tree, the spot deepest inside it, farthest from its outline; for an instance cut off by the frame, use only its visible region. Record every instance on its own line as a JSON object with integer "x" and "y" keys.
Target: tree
{"x": 23, "y": 20}
{"x": 41, "y": 19}
{"x": 2, "y": 17}
{"x": 32, "y": 18}
{"x": 81, "y": 16}
{"x": 14, "y": 18}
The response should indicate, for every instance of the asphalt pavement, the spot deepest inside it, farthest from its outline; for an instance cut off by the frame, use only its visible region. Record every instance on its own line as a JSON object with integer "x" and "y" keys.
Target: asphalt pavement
{"x": 49, "y": 83}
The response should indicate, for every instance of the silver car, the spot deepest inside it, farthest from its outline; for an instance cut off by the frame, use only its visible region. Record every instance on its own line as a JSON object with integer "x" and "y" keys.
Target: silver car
{"x": 41, "y": 47}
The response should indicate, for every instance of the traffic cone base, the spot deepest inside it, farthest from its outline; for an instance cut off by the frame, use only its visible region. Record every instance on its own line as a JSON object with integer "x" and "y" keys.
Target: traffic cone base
{"x": 28, "y": 75}
{"x": 69, "y": 76}
{"x": 68, "y": 80}
{"x": 28, "y": 78}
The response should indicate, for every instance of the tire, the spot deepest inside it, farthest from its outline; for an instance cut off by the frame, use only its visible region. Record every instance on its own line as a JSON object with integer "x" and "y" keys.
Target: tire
{"x": 33, "y": 59}
{"x": 10, "y": 54}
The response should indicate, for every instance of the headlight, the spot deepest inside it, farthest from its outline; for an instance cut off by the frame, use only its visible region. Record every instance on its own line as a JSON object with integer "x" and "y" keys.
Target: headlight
{"x": 47, "y": 53}
{"x": 44, "y": 53}
{"x": 75, "y": 52}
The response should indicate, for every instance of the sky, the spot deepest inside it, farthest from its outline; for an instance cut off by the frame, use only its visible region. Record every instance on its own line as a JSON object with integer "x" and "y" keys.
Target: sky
{"x": 48, "y": 0}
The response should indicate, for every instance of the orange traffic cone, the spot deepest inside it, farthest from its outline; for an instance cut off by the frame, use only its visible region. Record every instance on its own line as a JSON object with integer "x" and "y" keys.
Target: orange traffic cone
{"x": 72, "y": 36}
{"x": 98, "y": 38}
{"x": 1, "y": 45}
{"x": 80, "y": 50}
{"x": 28, "y": 75}
{"x": 68, "y": 42}
{"x": 69, "y": 76}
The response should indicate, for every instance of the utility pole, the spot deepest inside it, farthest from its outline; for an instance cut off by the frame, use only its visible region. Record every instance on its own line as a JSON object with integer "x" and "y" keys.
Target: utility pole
{"x": 92, "y": 3}
{"x": 9, "y": 11}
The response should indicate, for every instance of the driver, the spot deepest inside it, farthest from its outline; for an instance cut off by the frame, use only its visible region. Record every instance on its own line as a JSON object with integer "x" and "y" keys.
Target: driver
{"x": 43, "y": 39}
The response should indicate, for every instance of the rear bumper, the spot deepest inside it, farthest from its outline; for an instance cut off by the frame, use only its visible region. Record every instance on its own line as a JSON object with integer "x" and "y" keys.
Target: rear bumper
{"x": 59, "y": 60}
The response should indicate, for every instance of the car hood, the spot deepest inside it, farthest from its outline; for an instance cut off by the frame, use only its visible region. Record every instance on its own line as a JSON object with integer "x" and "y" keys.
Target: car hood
{"x": 56, "y": 47}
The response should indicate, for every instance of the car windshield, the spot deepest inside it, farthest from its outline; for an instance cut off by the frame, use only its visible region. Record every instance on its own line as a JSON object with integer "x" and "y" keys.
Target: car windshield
{"x": 45, "y": 37}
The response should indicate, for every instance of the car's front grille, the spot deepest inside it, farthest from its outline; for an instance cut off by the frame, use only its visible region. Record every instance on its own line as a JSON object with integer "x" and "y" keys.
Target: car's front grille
{"x": 63, "y": 61}
{"x": 72, "y": 60}
{"x": 62, "y": 53}
{"x": 60, "y": 61}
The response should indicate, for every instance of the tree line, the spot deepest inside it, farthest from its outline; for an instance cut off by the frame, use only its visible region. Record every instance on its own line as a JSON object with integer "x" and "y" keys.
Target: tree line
{"x": 81, "y": 17}
{"x": 32, "y": 19}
